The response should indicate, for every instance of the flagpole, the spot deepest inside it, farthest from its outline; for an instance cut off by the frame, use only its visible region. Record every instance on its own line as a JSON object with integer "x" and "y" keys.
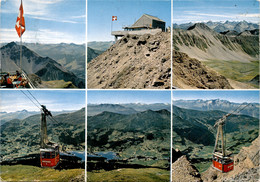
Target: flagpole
{"x": 21, "y": 39}
{"x": 21, "y": 48}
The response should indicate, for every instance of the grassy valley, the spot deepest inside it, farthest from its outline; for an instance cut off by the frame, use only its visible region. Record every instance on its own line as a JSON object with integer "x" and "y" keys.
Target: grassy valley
{"x": 236, "y": 70}
{"x": 32, "y": 173}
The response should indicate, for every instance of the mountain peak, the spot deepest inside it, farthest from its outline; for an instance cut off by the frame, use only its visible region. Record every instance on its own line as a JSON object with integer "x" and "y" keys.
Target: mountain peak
{"x": 9, "y": 45}
{"x": 24, "y": 111}
{"x": 199, "y": 26}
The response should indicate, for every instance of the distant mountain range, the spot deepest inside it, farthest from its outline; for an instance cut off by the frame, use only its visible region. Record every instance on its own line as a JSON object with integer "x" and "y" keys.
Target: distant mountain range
{"x": 100, "y": 45}
{"x": 92, "y": 53}
{"x": 95, "y": 48}
{"x": 7, "y": 116}
{"x": 239, "y": 26}
{"x": 21, "y": 137}
{"x": 221, "y": 105}
{"x": 131, "y": 108}
{"x": 44, "y": 67}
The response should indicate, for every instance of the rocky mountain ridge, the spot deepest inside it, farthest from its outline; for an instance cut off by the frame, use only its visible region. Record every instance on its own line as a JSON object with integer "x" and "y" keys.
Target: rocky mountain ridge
{"x": 230, "y": 54}
{"x": 71, "y": 56}
{"x": 44, "y": 67}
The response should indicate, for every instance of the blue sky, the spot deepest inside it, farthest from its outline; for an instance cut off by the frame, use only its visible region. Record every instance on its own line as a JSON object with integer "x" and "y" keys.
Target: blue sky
{"x": 100, "y": 14}
{"x": 55, "y": 100}
{"x": 46, "y": 21}
{"x": 134, "y": 96}
{"x": 232, "y": 96}
{"x": 185, "y": 11}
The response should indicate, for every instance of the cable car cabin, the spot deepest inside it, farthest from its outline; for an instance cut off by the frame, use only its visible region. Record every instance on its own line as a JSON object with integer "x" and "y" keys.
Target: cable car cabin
{"x": 50, "y": 157}
{"x": 223, "y": 164}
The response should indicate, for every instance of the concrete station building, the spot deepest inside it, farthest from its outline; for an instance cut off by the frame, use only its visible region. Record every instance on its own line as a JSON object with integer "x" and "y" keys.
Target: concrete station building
{"x": 147, "y": 24}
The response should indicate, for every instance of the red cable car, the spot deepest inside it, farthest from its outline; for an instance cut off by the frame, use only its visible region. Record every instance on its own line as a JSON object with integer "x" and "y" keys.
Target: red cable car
{"x": 223, "y": 164}
{"x": 50, "y": 157}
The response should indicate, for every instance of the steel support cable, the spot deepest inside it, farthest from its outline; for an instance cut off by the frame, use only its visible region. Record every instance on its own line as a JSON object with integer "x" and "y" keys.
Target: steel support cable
{"x": 34, "y": 97}
{"x": 30, "y": 99}
{"x": 51, "y": 118}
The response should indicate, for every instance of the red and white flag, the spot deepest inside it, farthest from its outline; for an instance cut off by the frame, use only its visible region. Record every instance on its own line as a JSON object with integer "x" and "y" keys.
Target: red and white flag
{"x": 114, "y": 18}
{"x": 20, "y": 23}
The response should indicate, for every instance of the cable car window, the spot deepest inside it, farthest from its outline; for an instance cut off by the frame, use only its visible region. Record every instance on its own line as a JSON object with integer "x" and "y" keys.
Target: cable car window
{"x": 46, "y": 155}
{"x": 42, "y": 154}
{"x": 53, "y": 155}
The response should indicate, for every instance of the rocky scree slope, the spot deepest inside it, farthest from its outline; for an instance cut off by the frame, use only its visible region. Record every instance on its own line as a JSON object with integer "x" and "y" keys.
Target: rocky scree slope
{"x": 183, "y": 170}
{"x": 203, "y": 43}
{"x": 133, "y": 62}
{"x": 190, "y": 73}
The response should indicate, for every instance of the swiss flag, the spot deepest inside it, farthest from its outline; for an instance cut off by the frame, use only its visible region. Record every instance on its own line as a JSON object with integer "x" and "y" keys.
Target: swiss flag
{"x": 20, "y": 23}
{"x": 114, "y": 18}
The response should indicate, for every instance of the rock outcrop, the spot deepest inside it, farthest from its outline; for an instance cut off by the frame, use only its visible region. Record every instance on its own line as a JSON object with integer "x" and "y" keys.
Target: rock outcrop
{"x": 183, "y": 170}
{"x": 191, "y": 73}
{"x": 133, "y": 62}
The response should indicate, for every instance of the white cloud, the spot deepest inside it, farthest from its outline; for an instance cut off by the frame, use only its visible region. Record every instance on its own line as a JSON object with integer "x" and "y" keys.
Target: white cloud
{"x": 45, "y": 1}
{"x": 211, "y": 15}
{"x": 255, "y": 15}
{"x": 193, "y": 16}
{"x": 40, "y": 36}
{"x": 76, "y": 17}
{"x": 38, "y": 9}
{"x": 53, "y": 19}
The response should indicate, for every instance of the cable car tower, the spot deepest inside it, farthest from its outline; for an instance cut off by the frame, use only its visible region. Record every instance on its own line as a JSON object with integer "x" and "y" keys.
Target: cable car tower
{"x": 222, "y": 160}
